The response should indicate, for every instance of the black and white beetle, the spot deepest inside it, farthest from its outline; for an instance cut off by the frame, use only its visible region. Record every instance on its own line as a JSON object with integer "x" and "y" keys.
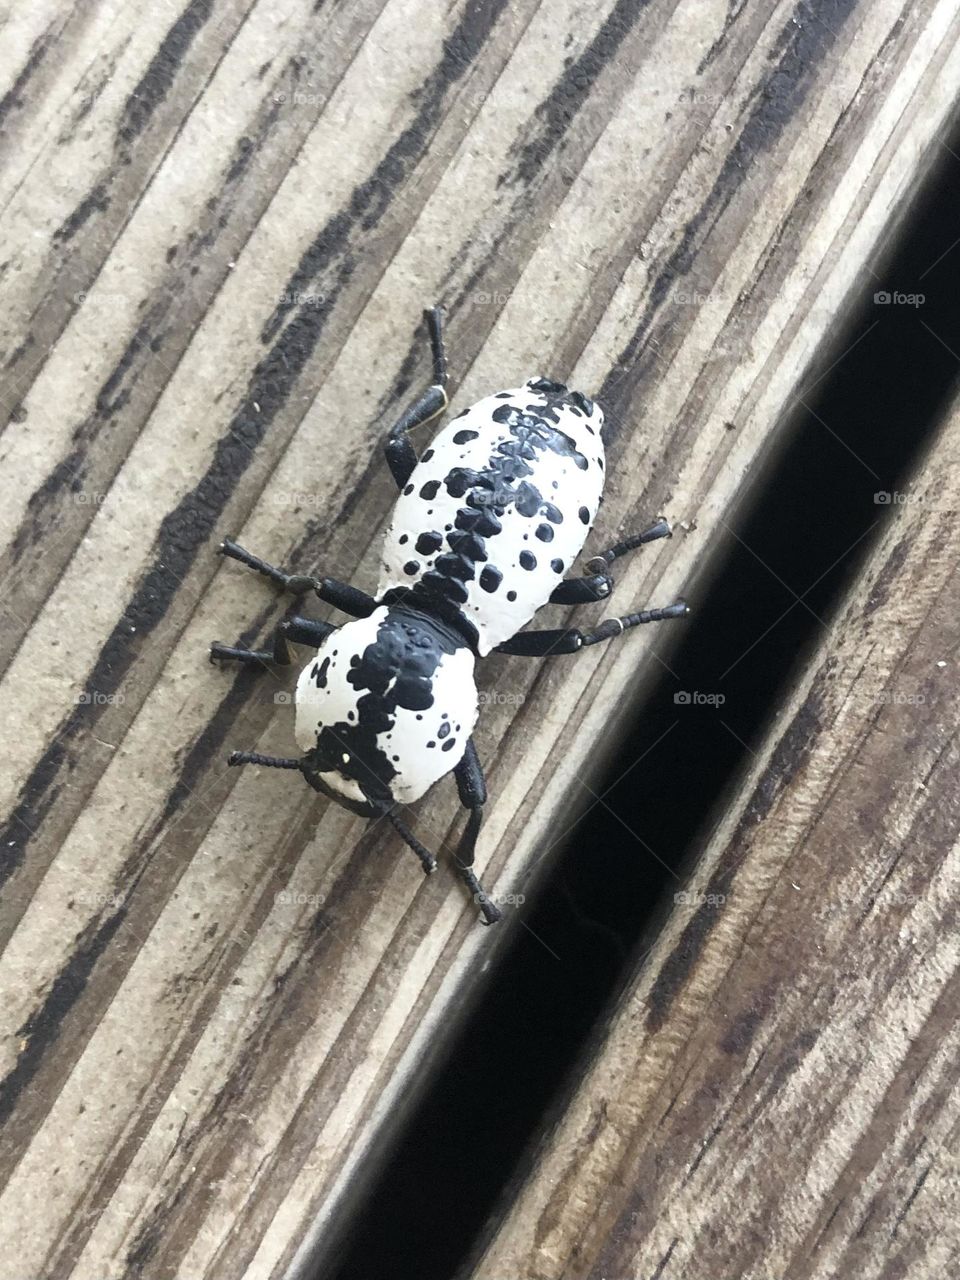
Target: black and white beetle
{"x": 487, "y": 523}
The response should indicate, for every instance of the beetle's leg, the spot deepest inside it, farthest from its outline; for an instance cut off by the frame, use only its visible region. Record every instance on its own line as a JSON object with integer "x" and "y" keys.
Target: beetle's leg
{"x": 546, "y": 644}
{"x": 427, "y": 860}
{"x": 597, "y": 584}
{"x": 331, "y": 591}
{"x": 585, "y": 590}
{"x": 399, "y": 451}
{"x": 599, "y": 563}
{"x": 473, "y": 795}
{"x": 272, "y": 762}
{"x": 299, "y": 630}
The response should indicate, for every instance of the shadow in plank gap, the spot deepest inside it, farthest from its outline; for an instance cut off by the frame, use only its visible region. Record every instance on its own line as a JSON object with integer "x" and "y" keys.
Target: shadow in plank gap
{"x": 800, "y": 535}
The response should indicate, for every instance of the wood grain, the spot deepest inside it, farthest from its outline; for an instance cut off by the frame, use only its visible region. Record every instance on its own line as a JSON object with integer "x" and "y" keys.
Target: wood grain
{"x": 778, "y": 1092}
{"x": 220, "y": 223}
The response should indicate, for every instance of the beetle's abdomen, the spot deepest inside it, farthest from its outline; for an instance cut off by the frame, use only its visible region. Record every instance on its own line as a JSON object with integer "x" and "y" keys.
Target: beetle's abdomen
{"x": 499, "y": 506}
{"x": 386, "y": 707}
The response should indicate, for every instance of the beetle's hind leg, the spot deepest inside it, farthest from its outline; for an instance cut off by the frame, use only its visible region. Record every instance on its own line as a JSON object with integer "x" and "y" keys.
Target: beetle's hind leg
{"x": 398, "y": 450}
{"x": 298, "y": 630}
{"x": 586, "y": 590}
{"x": 473, "y": 796}
{"x": 596, "y": 583}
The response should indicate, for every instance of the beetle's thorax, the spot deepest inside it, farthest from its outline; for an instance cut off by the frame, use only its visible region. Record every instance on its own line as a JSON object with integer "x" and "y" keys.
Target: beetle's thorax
{"x": 434, "y": 612}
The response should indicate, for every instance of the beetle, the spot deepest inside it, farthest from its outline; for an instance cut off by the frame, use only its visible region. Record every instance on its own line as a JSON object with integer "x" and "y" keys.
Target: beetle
{"x": 487, "y": 524}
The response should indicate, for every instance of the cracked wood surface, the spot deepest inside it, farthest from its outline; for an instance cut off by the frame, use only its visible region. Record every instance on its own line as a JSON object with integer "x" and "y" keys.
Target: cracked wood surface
{"x": 777, "y": 1093}
{"x": 220, "y": 224}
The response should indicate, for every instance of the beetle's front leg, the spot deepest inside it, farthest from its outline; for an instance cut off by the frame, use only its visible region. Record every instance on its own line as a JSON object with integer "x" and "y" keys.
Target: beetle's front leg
{"x": 298, "y": 630}
{"x": 398, "y": 450}
{"x": 331, "y": 591}
{"x": 597, "y": 584}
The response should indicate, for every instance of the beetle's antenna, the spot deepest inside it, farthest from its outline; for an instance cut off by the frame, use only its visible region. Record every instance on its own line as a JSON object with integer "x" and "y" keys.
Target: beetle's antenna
{"x": 427, "y": 859}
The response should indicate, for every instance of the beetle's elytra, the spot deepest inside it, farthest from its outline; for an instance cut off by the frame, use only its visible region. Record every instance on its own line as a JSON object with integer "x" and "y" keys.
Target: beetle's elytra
{"x": 488, "y": 523}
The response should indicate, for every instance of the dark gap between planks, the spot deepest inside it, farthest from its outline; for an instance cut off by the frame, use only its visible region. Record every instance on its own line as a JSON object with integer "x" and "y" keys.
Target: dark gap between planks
{"x": 458, "y": 1159}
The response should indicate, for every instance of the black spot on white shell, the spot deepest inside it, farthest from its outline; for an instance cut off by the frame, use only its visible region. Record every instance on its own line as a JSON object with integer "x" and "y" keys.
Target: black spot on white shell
{"x": 528, "y": 560}
{"x": 427, "y": 543}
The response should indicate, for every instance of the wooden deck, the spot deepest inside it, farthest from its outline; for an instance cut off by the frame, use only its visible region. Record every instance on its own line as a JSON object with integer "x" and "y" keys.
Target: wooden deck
{"x": 221, "y": 220}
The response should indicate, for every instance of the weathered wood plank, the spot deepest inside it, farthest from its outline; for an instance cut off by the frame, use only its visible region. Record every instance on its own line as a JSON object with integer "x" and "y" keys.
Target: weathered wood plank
{"x": 222, "y": 990}
{"x": 778, "y": 1092}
